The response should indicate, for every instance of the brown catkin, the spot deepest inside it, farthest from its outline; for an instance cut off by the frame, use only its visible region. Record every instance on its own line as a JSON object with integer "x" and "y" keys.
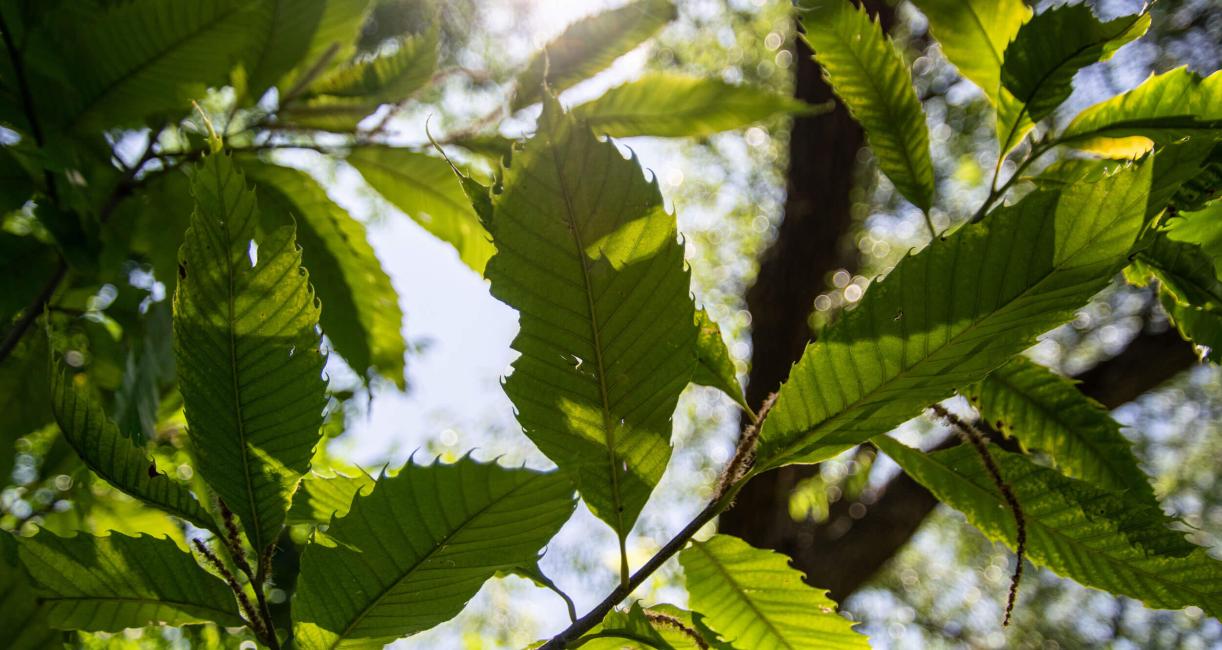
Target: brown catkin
{"x": 972, "y": 435}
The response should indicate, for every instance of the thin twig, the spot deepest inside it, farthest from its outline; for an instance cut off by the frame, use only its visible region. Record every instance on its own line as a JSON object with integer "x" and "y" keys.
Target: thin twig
{"x": 976, "y": 438}
{"x": 722, "y": 499}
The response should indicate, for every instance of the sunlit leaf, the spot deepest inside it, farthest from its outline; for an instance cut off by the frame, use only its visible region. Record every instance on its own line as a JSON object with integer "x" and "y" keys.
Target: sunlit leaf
{"x": 589, "y": 45}
{"x": 361, "y": 314}
{"x": 411, "y": 553}
{"x": 1106, "y": 540}
{"x": 948, "y": 315}
{"x": 673, "y": 105}
{"x": 974, "y": 34}
{"x": 589, "y": 257}
{"x": 320, "y": 497}
{"x": 114, "y": 582}
{"x": 247, "y": 343}
{"x": 1046, "y": 412}
{"x": 714, "y": 367}
{"x": 1041, "y": 61}
{"x": 754, "y": 599}
{"x": 1165, "y": 108}
{"x": 869, "y": 75}
{"x": 113, "y": 456}
{"x": 425, "y": 189}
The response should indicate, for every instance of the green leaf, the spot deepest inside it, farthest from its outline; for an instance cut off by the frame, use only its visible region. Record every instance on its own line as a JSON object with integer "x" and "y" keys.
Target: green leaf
{"x": 714, "y": 367}
{"x": 590, "y": 259}
{"x": 425, "y": 189}
{"x": 1102, "y": 539}
{"x": 111, "y": 455}
{"x": 334, "y": 41}
{"x": 869, "y": 75}
{"x": 947, "y": 316}
{"x": 974, "y": 34}
{"x": 1198, "y": 326}
{"x": 1045, "y": 411}
{"x": 1203, "y": 188}
{"x": 23, "y": 618}
{"x": 246, "y": 340}
{"x": 1167, "y": 107}
{"x": 320, "y": 497}
{"x": 131, "y": 60}
{"x": 1044, "y": 56}
{"x": 387, "y": 77}
{"x": 1184, "y": 270}
{"x": 287, "y": 32}
{"x": 361, "y": 314}
{"x": 1182, "y": 175}
{"x": 340, "y": 100}
{"x": 626, "y": 629}
{"x": 411, "y": 553}
{"x": 754, "y": 599}
{"x": 106, "y": 584}
{"x": 673, "y": 105}
{"x": 1200, "y": 227}
{"x": 589, "y": 45}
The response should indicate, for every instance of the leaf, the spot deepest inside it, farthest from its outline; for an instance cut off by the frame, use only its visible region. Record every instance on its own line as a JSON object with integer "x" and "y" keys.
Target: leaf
{"x": 111, "y": 455}
{"x": 589, "y": 45}
{"x": 288, "y": 30}
{"x": 666, "y": 104}
{"x": 106, "y": 584}
{"x": 1044, "y": 56}
{"x": 1200, "y": 227}
{"x": 974, "y": 34}
{"x": 23, "y": 618}
{"x": 1203, "y": 188}
{"x": 1184, "y": 270}
{"x": 334, "y": 41}
{"x": 1181, "y": 175}
{"x": 361, "y": 314}
{"x": 320, "y": 497}
{"x": 1105, "y": 540}
{"x": 947, "y": 316}
{"x": 246, "y": 341}
{"x": 629, "y": 625}
{"x": 1165, "y": 108}
{"x": 128, "y": 61}
{"x": 1045, "y": 411}
{"x": 869, "y": 75}
{"x": 388, "y": 77}
{"x": 340, "y": 100}
{"x": 412, "y": 552}
{"x": 1199, "y": 326}
{"x": 754, "y": 599}
{"x": 425, "y": 189}
{"x": 589, "y": 257}
{"x": 714, "y": 367}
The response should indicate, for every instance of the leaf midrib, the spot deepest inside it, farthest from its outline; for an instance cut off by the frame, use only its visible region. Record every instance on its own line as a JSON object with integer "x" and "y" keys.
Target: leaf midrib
{"x": 570, "y": 214}
{"x": 240, "y": 419}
